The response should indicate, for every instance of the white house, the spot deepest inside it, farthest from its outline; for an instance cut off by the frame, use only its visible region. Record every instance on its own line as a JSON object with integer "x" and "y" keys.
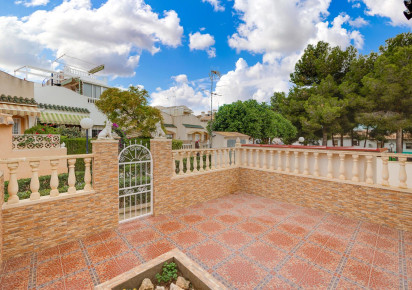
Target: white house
{"x": 228, "y": 139}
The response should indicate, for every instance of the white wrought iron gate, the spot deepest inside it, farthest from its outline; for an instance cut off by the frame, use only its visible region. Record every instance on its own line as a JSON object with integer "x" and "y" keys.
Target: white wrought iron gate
{"x": 135, "y": 182}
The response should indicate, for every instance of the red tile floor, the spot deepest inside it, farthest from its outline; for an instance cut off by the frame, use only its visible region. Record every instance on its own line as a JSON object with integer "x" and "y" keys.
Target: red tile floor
{"x": 245, "y": 241}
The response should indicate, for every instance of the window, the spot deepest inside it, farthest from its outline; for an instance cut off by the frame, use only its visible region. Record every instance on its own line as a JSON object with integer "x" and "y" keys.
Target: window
{"x": 408, "y": 145}
{"x": 16, "y": 126}
{"x": 87, "y": 90}
{"x": 355, "y": 142}
{"x": 92, "y": 91}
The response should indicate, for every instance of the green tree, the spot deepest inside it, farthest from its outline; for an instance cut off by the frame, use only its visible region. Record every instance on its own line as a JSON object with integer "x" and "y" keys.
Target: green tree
{"x": 255, "y": 119}
{"x": 315, "y": 105}
{"x": 130, "y": 110}
{"x": 388, "y": 87}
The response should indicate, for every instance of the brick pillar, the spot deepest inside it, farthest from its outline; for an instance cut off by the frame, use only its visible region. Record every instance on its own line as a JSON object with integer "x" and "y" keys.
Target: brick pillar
{"x": 161, "y": 150}
{"x": 1, "y": 214}
{"x": 106, "y": 181}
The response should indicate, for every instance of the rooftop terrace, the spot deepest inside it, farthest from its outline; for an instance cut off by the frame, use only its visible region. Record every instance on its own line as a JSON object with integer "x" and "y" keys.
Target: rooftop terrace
{"x": 245, "y": 241}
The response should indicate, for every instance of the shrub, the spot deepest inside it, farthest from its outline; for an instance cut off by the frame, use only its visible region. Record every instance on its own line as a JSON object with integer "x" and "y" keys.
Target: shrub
{"x": 169, "y": 273}
{"x": 70, "y": 132}
{"x": 177, "y": 144}
{"x": 42, "y": 129}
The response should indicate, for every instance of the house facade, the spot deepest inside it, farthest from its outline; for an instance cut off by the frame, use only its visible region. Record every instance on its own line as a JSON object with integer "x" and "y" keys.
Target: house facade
{"x": 17, "y": 100}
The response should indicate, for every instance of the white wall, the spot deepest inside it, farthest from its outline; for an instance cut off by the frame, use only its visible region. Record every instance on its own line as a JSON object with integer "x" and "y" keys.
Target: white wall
{"x": 55, "y": 95}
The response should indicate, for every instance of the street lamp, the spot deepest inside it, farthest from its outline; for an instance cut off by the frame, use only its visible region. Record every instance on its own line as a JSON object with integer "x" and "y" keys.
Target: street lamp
{"x": 391, "y": 145}
{"x": 301, "y": 140}
{"x": 86, "y": 123}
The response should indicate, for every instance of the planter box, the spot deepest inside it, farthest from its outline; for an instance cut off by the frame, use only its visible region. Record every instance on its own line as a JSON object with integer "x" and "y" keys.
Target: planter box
{"x": 200, "y": 279}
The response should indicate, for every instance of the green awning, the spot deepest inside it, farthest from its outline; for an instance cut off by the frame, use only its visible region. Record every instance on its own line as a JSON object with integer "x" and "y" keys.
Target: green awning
{"x": 193, "y": 126}
{"x": 61, "y": 119}
{"x": 169, "y": 125}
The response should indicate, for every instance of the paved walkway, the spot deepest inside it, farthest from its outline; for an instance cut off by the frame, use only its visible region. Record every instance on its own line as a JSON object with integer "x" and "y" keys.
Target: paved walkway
{"x": 245, "y": 241}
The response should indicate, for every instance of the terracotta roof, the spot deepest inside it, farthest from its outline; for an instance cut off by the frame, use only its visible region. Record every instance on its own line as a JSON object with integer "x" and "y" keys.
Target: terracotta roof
{"x": 193, "y": 126}
{"x": 231, "y": 134}
{"x": 17, "y": 100}
{"x": 64, "y": 108}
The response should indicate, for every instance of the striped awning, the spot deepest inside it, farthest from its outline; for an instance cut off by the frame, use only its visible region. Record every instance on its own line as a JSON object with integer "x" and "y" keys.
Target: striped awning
{"x": 60, "y": 118}
{"x": 19, "y": 109}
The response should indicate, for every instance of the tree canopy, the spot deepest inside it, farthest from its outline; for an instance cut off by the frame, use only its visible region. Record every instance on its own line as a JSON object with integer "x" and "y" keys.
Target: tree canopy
{"x": 130, "y": 110}
{"x": 255, "y": 119}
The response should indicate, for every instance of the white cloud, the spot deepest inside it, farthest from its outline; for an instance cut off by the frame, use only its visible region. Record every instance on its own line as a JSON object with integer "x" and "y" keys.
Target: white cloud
{"x": 114, "y": 34}
{"x": 356, "y": 5}
{"x": 33, "y": 3}
{"x": 358, "y": 22}
{"x": 393, "y": 9}
{"x": 217, "y": 6}
{"x": 198, "y": 41}
{"x": 182, "y": 92}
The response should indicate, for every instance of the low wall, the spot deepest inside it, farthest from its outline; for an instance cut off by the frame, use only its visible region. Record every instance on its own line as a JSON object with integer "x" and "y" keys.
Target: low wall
{"x": 177, "y": 192}
{"x": 383, "y": 206}
{"x": 39, "y": 224}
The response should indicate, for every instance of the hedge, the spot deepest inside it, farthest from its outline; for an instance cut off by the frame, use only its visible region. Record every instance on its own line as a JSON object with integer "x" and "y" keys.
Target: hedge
{"x": 77, "y": 146}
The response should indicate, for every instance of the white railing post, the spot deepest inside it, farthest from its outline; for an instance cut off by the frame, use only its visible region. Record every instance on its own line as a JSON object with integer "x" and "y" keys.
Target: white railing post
{"x": 13, "y": 186}
{"x": 180, "y": 163}
{"x": 280, "y": 160}
{"x": 213, "y": 159}
{"x": 355, "y": 168}
{"x": 195, "y": 162}
{"x": 296, "y": 169}
{"x": 342, "y": 166}
{"x": 245, "y": 157}
{"x": 330, "y": 166}
{"x": 369, "y": 171}
{"x": 248, "y": 154}
{"x": 207, "y": 152}
{"x": 316, "y": 165}
{"x": 272, "y": 159}
{"x": 87, "y": 175}
{"x": 72, "y": 176}
{"x": 201, "y": 161}
{"x": 54, "y": 179}
{"x": 287, "y": 158}
{"x": 34, "y": 182}
{"x": 402, "y": 172}
{"x": 385, "y": 171}
{"x": 306, "y": 164}
{"x": 174, "y": 154}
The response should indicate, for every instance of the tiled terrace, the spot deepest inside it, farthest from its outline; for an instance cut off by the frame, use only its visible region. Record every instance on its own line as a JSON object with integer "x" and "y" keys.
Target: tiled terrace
{"x": 245, "y": 241}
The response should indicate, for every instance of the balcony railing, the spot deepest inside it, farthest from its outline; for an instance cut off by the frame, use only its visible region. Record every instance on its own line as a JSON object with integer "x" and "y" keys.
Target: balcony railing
{"x": 359, "y": 167}
{"x": 35, "y": 141}
{"x": 34, "y": 162}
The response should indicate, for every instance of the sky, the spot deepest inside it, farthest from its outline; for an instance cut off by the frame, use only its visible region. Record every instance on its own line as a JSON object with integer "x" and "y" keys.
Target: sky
{"x": 170, "y": 46}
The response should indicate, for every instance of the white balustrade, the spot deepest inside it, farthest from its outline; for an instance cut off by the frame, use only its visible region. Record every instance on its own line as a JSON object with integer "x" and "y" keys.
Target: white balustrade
{"x": 317, "y": 163}
{"x": 39, "y": 165}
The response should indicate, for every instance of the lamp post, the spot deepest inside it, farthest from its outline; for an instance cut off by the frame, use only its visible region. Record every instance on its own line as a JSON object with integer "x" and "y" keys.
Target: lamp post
{"x": 391, "y": 145}
{"x": 86, "y": 123}
{"x": 301, "y": 140}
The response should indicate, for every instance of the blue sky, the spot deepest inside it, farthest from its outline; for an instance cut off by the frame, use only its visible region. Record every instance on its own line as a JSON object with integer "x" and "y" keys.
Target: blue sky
{"x": 169, "y": 47}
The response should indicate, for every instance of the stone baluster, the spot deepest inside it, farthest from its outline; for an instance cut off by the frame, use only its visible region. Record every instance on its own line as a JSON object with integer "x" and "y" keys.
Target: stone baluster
{"x": 369, "y": 171}
{"x": 248, "y": 157}
{"x": 279, "y": 160}
{"x": 259, "y": 158}
{"x": 174, "y": 154}
{"x": 87, "y": 174}
{"x": 195, "y": 162}
{"x": 34, "y": 182}
{"x": 342, "y": 166}
{"x": 287, "y": 158}
{"x": 180, "y": 163}
{"x": 201, "y": 161}
{"x": 355, "y": 168}
{"x": 316, "y": 165}
{"x": 272, "y": 160}
{"x": 223, "y": 158}
{"x": 330, "y": 165}
{"x": 296, "y": 169}
{"x": 213, "y": 159}
{"x": 72, "y": 176}
{"x": 252, "y": 158}
{"x": 244, "y": 156}
{"x": 54, "y": 179}
{"x": 187, "y": 156}
{"x": 402, "y": 172}
{"x": 385, "y": 171}
{"x": 207, "y": 152}
{"x": 13, "y": 186}
{"x": 267, "y": 158}
{"x": 306, "y": 164}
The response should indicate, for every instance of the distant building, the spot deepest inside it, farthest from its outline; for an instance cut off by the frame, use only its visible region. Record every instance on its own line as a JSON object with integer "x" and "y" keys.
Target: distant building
{"x": 16, "y": 99}
{"x": 228, "y": 139}
{"x": 68, "y": 95}
{"x": 181, "y": 124}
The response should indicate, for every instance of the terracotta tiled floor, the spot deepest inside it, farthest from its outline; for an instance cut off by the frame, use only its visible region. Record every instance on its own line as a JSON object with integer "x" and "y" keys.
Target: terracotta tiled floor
{"x": 245, "y": 241}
